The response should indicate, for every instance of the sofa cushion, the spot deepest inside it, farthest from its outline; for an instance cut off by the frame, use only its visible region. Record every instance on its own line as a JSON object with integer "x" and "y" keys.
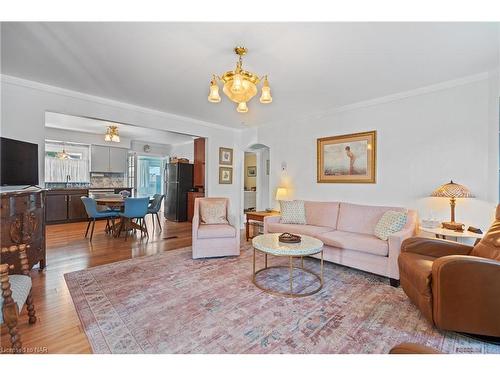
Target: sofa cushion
{"x": 323, "y": 214}
{"x": 213, "y": 211}
{"x": 308, "y": 230}
{"x": 415, "y": 272}
{"x": 292, "y": 212}
{"x": 390, "y": 223}
{"x": 360, "y": 218}
{"x": 216, "y": 231}
{"x": 366, "y": 243}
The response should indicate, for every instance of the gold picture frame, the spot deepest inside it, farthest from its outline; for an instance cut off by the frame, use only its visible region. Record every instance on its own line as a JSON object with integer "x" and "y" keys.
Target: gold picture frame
{"x": 225, "y": 175}
{"x": 225, "y": 156}
{"x": 349, "y": 158}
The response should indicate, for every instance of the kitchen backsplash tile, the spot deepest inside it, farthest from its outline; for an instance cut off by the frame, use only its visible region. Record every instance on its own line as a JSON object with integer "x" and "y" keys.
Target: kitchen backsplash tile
{"x": 105, "y": 180}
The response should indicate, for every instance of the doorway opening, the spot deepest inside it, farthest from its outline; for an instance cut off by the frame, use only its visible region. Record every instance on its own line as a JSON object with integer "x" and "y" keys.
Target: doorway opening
{"x": 150, "y": 175}
{"x": 256, "y": 189}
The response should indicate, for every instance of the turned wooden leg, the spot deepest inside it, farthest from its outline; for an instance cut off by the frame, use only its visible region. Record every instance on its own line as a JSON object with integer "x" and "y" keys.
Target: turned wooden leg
{"x": 31, "y": 309}
{"x": 9, "y": 308}
{"x": 15, "y": 338}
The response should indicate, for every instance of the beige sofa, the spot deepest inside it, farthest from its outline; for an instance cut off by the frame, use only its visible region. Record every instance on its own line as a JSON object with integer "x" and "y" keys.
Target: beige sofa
{"x": 347, "y": 230}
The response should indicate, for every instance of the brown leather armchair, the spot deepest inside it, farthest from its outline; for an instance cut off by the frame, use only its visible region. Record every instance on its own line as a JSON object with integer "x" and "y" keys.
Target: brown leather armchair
{"x": 411, "y": 348}
{"x": 455, "y": 286}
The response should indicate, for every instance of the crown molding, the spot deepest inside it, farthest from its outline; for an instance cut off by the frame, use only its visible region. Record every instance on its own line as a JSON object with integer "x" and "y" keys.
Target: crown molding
{"x": 4, "y": 78}
{"x": 391, "y": 98}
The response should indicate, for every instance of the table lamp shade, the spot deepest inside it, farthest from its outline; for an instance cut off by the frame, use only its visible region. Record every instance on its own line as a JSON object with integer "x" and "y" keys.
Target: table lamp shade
{"x": 281, "y": 194}
{"x": 452, "y": 190}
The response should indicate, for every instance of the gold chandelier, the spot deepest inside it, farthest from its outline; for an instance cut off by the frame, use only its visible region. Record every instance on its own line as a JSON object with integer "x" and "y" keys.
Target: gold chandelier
{"x": 112, "y": 134}
{"x": 240, "y": 85}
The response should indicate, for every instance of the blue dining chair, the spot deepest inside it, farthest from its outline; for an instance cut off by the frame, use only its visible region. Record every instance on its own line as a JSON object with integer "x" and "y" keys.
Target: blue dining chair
{"x": 154, "y": 208}
{"x": 93, "y": 213}
{"x": 135, "y": 208}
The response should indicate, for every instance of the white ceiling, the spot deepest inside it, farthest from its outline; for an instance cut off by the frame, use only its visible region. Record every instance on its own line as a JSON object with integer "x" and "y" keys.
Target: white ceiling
{"x": 94, "y": 126}
{"x": 311, "y": 66}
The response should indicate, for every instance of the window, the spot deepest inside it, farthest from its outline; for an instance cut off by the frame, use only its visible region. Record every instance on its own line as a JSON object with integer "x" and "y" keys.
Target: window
{"x": 75, "y": 168}
{"x": 131, "y": 171}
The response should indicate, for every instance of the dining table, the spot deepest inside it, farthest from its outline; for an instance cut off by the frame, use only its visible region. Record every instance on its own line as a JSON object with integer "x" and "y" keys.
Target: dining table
{"x": 118, "y": 202}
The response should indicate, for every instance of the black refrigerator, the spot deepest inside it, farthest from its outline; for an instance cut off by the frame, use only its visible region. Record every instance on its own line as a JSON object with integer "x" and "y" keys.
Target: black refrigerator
{"x": 178, "y": 181}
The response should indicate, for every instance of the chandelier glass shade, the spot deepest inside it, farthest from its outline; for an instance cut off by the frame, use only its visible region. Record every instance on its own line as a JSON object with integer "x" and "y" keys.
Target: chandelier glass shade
{"x": 112, "y": 134}
{"x": 239, "y": 85}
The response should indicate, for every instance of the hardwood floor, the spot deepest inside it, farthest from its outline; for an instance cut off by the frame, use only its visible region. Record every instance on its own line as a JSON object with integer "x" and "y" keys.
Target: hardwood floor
{"x": 58, "y": 328}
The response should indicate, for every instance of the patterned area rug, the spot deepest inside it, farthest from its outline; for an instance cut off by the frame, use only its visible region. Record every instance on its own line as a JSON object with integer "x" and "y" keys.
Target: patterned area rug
{"x": 170, "y": 303}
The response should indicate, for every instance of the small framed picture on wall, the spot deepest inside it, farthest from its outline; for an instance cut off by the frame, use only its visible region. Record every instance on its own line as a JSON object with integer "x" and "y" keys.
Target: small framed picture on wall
{"x": 225, "y": 175}
{"x": 251, "y": 171}
{"x": 225, "y": 156}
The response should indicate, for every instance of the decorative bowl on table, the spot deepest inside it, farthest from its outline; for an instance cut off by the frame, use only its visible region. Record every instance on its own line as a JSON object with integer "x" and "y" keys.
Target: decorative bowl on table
{"x": 289, "y": 238}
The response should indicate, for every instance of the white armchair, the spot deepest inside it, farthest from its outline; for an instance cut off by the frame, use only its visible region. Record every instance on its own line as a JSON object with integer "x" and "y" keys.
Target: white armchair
{"x": 214, "y": 240}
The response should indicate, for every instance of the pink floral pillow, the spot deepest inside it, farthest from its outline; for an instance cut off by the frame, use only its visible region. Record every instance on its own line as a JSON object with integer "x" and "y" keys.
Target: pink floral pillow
{"x": 213, "y": 212}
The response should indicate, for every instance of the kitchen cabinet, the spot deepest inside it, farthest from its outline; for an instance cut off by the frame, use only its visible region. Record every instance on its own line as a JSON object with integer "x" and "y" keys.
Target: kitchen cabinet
{"x": 108, "y": 159}
{"x": 76, "y": 208}
{"x": 118, "y": 160}
{"x": 99, "y": 158}
{"x": 57, "y": 208}
{"x": 65, "y": 205}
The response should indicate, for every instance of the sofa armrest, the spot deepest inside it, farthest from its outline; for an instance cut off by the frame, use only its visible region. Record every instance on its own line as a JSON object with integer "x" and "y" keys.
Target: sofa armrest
{"x": 394, "y": 241}
{"x": 466, "y": 294}
{"x": 270, "y": 219}
{"x": 434, "y": 247}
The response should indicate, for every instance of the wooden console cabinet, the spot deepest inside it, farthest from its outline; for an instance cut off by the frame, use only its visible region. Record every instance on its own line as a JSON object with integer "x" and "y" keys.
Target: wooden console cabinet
{"x": 199, "y": 163}
{"x": 23, "y": 221}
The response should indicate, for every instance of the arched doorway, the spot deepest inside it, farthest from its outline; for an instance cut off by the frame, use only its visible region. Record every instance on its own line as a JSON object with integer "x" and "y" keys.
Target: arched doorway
{"x": 256, "y": 179}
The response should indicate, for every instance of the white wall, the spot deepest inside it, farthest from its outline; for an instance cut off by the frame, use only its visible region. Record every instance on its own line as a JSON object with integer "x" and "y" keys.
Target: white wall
{"x": 184, "y": 150}
{"x": 156, "y": 149}
{"x": 23, "y": 117}
{"x": 424, "y": 139}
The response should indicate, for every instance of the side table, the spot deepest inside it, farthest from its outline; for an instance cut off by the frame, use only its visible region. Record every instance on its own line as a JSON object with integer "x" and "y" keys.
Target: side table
{"x": 451, "y": 234}
{"x": 256, "y": 218}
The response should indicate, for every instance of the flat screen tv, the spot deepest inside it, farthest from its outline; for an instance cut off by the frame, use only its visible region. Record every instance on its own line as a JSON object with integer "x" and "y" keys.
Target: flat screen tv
{"x": 18, "y": 162}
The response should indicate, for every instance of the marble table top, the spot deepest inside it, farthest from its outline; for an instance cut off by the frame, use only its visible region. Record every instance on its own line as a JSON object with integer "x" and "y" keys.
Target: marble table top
{"x": 269, "y": 243}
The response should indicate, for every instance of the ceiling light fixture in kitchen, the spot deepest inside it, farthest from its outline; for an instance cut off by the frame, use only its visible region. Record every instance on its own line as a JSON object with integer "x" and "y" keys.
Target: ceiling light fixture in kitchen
{"x": 112, "y": 134}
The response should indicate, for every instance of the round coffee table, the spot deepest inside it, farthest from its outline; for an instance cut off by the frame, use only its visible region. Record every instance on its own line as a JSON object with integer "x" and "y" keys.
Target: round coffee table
{"x": 270, "y": 244}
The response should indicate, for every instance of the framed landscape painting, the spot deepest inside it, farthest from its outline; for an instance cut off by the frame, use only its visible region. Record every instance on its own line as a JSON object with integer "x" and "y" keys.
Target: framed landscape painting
{"x": 347, "y": 158}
